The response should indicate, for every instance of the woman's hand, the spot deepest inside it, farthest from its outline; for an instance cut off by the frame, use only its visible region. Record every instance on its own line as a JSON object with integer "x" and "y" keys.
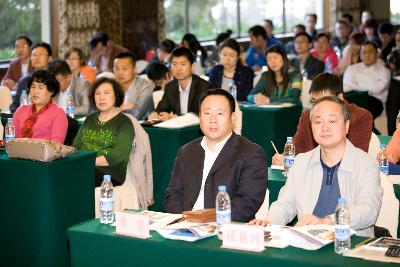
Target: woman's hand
{"x": 259, "y": 222}
{"x": 277, "y": 159}
{"x": 261, "y": 99}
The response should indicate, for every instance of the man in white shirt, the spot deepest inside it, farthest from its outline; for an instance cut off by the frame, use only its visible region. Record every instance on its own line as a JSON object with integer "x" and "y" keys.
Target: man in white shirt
{"x": 369, "y": 75}
{"x": 70, "y": 84}
{"x": 219, "y": 158}
{"x": 138, "y": 99}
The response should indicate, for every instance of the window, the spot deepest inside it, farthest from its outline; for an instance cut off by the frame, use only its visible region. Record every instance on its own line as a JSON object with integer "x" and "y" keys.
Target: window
{"x": 207, "y": 18}
{"x": 395, "y": 11}
{"x": 18, "y": 17}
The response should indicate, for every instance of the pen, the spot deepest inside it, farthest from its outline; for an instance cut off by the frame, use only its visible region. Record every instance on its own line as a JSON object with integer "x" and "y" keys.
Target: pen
{"x": 273, "y": 145}
{"x": 364, "y": 242}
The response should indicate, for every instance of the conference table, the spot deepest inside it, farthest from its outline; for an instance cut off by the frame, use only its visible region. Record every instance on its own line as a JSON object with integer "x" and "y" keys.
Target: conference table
{"x": 40, "y": 202}
{"x": 262, "y": 125}
{"x": 93, "y": 244}
{"x": 165, "y": 144}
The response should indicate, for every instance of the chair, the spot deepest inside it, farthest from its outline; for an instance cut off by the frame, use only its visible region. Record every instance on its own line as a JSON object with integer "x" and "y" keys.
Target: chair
{"x": 141, "y": 65}
{"x": 137, "y": 190}
{"x": 305, "y": 96}
{"x": 5, "y": 97}
{"x": 157, "y": 96}
{"x": 374, "y": 145}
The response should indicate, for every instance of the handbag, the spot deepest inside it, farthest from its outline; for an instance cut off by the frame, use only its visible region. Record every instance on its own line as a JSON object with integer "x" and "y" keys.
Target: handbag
{"x": 37, "y": 149}
{"x": 207, "y": 215}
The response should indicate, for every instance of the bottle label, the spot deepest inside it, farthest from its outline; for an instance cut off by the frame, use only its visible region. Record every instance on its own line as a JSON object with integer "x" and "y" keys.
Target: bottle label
{"x": 106, "y": 204}
{"x": 223, "y": 217}
{"x": 384, "y": 168}
{"x": 288, "y": 161}
{"x": 342, "y": 232}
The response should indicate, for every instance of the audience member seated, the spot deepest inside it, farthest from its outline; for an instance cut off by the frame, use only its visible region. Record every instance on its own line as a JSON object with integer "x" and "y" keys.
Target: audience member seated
{"x": 392, "y": 150}
{"x": 190, "y": 41}
{"x": 351, "y": 53}
{"x": 221, "y": 157}
{"x": 279, "y": 83}
{"x": 214, "y": 57}
{"x": 104, "y": 52}
{"x": 324, "y": 52}
{"x": 393, "y": 59}
{"x": 311, "y": 22}
{"x": 182, "y": 94}
{"x": 259, "y": 43}
{"x": 369, "y": 75}
{"x": 269, "y": 28}
{"x": 365, "y": 15}
{"x": 138, "y": 99}
{"x": 306, "y": 64}
{"x": 371, "y": 32}
{"x": 350, "y": 22}
{"x": 42, "y": 119}
{"x": 341, "y": 39}
{"x": 21, "y": 66}
{"x": 289, "y": 46}
{"x": 108, "y": 132}
{"x": 40, "y": 58}
{"x": 231, "y": 70}
{"x": 393, "y": 98}
{"x": 335, "y": 169}
{"x": 360, "y": 129}
{"x": 76, "y": 62}
{"x": 164, "y": 51}
{"x": 386, "y": 31}
{"x": 159, "y": 75}
{"x": 70, "y": 84}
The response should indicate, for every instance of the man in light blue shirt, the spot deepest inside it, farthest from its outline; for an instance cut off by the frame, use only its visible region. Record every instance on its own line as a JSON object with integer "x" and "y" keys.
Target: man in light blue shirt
{"x": 259, "y": 40}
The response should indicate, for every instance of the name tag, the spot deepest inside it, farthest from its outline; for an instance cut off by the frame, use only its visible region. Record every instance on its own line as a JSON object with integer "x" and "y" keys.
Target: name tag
{"x": 243, "y": 237}
{"x": 132, "y": 224}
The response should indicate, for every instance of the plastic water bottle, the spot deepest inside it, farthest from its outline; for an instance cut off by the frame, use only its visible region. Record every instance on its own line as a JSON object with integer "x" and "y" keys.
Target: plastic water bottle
{"x": 198, "y": 58}
{"x": 70, "y": 105}
{"x": 23, "y": 100}
{"x": 342, "y": 227}
{"x": 106, "y": 201}
{"x": 383, "y": 162}
{"x": 398, "y": 120}
{"x": 328, "y": 65}
{"x": 223, "y": 208}
{"x": 289, "y": 154}
{"x": 233, "y": 89}
{"x": 9, "y": 130}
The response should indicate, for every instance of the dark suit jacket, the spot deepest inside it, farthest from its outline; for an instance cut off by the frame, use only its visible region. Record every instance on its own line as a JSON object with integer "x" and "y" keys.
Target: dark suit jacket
{"x": 241, "y": 166}
{"x": 312, "y": 66}
{"x": 170, "y": 100}
{"x": 359, "y": 131}
{"x": 243, "y": 78}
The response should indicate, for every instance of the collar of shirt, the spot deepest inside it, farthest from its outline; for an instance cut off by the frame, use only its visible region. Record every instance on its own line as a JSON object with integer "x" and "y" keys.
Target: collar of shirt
{"x": 63, "y": 97}
{"x": 218, "y": 146}
{"x": 187, "y": 89}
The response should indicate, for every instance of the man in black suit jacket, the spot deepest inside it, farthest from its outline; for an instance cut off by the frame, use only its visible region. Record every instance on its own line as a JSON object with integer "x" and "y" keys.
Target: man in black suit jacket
{"x": 304, "y": 62}
{"x": 219, "y": 158}
{"x": 182, "y": 94}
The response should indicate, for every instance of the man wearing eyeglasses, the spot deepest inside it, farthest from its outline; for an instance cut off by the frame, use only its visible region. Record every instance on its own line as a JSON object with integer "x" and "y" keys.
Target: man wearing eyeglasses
{"x": 40, "y": 58}
{"x": 360, "y": 129}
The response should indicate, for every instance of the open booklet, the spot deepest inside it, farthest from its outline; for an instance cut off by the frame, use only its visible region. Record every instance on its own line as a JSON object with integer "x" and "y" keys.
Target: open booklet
{"x": 309, "y": 237}
{"x": 188, "y": 231}
{"x": 189, "y": 119}
{"x": 161, "y": 219}
{"x": 375, "y": 251}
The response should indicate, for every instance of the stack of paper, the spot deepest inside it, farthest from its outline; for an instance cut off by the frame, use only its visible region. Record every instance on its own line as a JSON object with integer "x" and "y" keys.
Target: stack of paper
{"x": 189, "y": 119}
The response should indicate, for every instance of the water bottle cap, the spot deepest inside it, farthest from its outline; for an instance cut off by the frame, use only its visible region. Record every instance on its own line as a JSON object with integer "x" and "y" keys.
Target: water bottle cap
{"x": 289, "y": 138}
{"x": 383, "y": 146}
{"x": 222, "y": 188}
{"x": 9, "y": 120}
{"x": 107, "y": 177}
{"x": 342, "y": 201}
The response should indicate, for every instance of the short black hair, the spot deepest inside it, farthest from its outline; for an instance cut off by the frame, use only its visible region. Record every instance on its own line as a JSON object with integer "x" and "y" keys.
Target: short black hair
{"x": 342, "y": 21}
{"x": 221, "y": 92}
{"x": 371, "y": 23}
{"x": 100, "y": 37}
{"x": 128, "y": 55}
{"x": 156, "y": 71}
{"x": 26, "y": 38}
{"x": 326, "y": 82}
{"x": 59, "y": 67}
{"x": 183, "y": 52}
{"x": 370, "y": 43}
{"x": 312, "y": 15}
{"x": 167, "y": 45}
{"x": 270, "y": 22}
{"x": 305, "y": 35}
{"x": 45, "y": 46}
{"x": 301, "y": 26}
{"x": 357, "y": 37}
{"x": 223, "y": 36}
{"x": 118, "y": 92}
{"x": 386, "y": 28}
{"x": 47, "y": 78}
{"x": 258, "y": 30}
{"x": 334, "y": 99}
{"x": 232, "y": 44}
{"x": 321, "y": 35}
{"x": 349, "y": 17}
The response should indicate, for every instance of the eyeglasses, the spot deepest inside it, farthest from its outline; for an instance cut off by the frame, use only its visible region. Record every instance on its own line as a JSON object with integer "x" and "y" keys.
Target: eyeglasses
{"x": 21, "y": 46}
{"x": 39, "y": 55}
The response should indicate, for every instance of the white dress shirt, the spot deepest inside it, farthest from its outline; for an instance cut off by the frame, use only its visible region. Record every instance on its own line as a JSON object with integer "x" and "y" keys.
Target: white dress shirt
{"x": 184, "y": 97}
{"x": 62, "y": 98}
{"x": 209, "y": 159}
{"x": 375, "y": 79}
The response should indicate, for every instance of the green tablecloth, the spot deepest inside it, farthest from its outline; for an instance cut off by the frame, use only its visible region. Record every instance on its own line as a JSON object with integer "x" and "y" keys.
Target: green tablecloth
{"x": 360, "y": 98}
{"x": 384, "y": 139}
{"x": 97, "y": 245}
{"x": 40, "y": 201}
{"x": 165, "y": 144}
{"x": 263, "y": 125}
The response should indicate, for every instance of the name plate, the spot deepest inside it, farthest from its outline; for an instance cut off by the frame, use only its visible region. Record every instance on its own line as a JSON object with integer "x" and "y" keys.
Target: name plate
{"x": 132, "y": 224}
{"x": 243, "y": 237}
